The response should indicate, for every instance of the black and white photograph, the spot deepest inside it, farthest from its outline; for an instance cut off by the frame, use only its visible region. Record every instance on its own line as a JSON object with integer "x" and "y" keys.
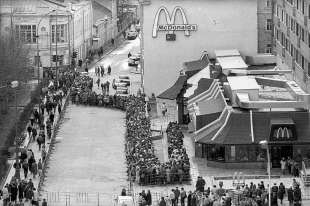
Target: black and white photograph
{"x": 154, "y": 102}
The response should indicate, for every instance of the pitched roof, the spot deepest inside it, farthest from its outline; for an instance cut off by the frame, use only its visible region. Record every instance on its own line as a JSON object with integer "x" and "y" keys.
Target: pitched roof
{"x": 172, "y": 92}
{"x": 195, "y": 65}
{"x": 233, "y": 133}
{"x": 203, "y": 120}
{"x": 262, "y": 120}
{"x": 203, "y": 85}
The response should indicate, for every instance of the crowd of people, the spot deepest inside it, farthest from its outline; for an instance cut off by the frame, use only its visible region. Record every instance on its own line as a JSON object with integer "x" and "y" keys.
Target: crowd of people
{"x": 245, "y": 195}
{"x": 143, "y": 166}
{"x": 39, "y": 129}
{"x": 82, "y": 93}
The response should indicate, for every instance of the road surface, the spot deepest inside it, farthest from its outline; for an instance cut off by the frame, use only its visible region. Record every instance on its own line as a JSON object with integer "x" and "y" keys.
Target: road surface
{"x": 88, "y": 163}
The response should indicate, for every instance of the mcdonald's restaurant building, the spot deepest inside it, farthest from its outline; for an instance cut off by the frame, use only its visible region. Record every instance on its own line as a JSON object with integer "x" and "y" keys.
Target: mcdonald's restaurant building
{"x": 178, "y": 31}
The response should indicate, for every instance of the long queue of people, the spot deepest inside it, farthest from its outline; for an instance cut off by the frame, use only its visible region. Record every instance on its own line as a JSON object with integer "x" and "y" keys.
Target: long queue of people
{"x": 143, "y": 166}
{"x": 21, "y": 189}
{"x": 82, "y": 93}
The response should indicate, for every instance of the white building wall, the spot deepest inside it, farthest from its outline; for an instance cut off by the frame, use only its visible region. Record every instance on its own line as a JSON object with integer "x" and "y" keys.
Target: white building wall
{"x": 223, "y": 24}
{"x": 33, "y": 12}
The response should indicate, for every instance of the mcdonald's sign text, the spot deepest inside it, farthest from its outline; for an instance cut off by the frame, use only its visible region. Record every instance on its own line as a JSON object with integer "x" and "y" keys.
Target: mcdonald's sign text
{"x": 171, "y": 26}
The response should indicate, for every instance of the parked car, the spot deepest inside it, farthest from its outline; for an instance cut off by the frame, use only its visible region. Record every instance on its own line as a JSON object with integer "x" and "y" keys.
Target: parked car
{"x": 133, "y": 60}
{"x": 132, "y": 34}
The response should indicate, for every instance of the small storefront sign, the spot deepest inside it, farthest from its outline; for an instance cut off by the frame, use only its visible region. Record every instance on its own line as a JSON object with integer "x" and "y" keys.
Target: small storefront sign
{"x": 283, "y": 133}
{"x": 171, "y": 27}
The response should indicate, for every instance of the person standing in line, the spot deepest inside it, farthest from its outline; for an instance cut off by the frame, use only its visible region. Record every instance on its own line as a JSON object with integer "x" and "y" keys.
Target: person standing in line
{"x": 109, "y": 70}
{"x": 148, "y": 198}
{"x": 189, "y": 198}
{"x": 102, "y": 70}
{"x": 290, "y": 196}
{"x": 177, "y": 195}
{"x": 162, "y": 202}
{"x": 59, "y": 108}
{"x": 25, "y": 168}
{"x": 283, "y": 165}
{"x": 281, "y": 192}
{"x": 183, "y": 196}
{"x": 98, "y": 82}
{"x": 107, "y": 86}
{"x": 40, "y": 167}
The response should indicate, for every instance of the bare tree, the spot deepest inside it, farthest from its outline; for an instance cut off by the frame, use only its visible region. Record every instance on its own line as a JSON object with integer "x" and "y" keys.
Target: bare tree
{"x": 14, "y": 60}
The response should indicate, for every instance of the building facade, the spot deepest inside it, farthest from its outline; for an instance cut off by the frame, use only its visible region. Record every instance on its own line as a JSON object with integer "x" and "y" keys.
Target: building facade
{"x": 292, "y": 38}
{"x": 264, "y": 23}
{"x": 49, "y": 28}
{"x": 211, "y": 25}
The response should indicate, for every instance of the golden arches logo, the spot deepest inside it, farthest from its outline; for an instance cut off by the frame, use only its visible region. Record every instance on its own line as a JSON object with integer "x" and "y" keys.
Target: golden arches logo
{"x": 283, "y": 132}
{"x": 171, "y": 26}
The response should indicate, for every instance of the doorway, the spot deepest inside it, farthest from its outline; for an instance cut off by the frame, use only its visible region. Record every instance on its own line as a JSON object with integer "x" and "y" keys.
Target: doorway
{"x": 279, "y": 151}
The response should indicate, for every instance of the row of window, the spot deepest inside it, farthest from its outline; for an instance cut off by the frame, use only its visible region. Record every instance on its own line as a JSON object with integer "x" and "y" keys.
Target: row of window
{"x": 28, "y": 33}
{"x": 289, "y": 47}
{"x": 299, "y": 4}
{"x": 293, "y": 25}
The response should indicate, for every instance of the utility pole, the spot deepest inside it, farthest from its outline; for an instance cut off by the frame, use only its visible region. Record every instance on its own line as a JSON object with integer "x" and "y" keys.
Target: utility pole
{"x": 142, "y": 44}
{"x": 56, "y": 50}
{"x": 69, "y": 41}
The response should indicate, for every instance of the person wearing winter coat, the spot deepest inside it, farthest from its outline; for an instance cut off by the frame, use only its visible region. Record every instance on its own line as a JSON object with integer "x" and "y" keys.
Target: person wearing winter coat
{"x": 281, "y": 192}
{"x": 290, "y": 196}
{"x": 148, "y": 198}
{"x": 162, "y": 202}
{"x": 34, "y": 168}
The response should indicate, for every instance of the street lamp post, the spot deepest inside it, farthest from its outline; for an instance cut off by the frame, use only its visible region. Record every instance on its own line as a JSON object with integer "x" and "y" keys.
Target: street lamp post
{"x": 14, "y": 85}
{"x": 264, "y": 144}
{"x": 38, "y": 51}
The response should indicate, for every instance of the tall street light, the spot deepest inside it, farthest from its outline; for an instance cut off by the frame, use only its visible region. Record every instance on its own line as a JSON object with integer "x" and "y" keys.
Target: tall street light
{"x": 265, "y": 145}
{"x": 38, "y": 51}
{"x": 14, "y": 85}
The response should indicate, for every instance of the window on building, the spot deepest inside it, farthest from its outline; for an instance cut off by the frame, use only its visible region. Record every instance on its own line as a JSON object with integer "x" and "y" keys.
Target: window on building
{"x": 302, "y": 62}
{"x": 303, "y": 6}
{"x": 268, "y": 3}
{"x": 308, "y": 68}
{"x": 287, "y": 20}
{"x": 269, "y": 25}
{"x": 286, "y": 44}
{"x": 297, "y": 29}
{"x": 292, "y": 50}
{"x": 26, "y": 33}
{"x": 61, "y": 33}
{"x": 309, "y": 11}
{"x": 309, "y": 40}
{"x": 282, "y": 39}
{"x": 282, "y": 15}
{"x": 277, "y": 34}
{"x": 290, "y": 1}
{"x": 268, "y": 49}
{"x": 302, "y": 34}
{"x": 298, "y": 4}
{"x": 292, "y": 24}
{"x": 297, "y": 56}
{"x": 278, "y": 10}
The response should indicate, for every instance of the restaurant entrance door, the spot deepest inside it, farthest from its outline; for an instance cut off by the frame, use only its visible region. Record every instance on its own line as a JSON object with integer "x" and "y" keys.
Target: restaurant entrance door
{"x": 279, "y": 151}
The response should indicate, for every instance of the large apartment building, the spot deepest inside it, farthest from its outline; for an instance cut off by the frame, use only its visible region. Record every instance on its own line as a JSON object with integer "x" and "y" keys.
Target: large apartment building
{"x": 292, "y": 38}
